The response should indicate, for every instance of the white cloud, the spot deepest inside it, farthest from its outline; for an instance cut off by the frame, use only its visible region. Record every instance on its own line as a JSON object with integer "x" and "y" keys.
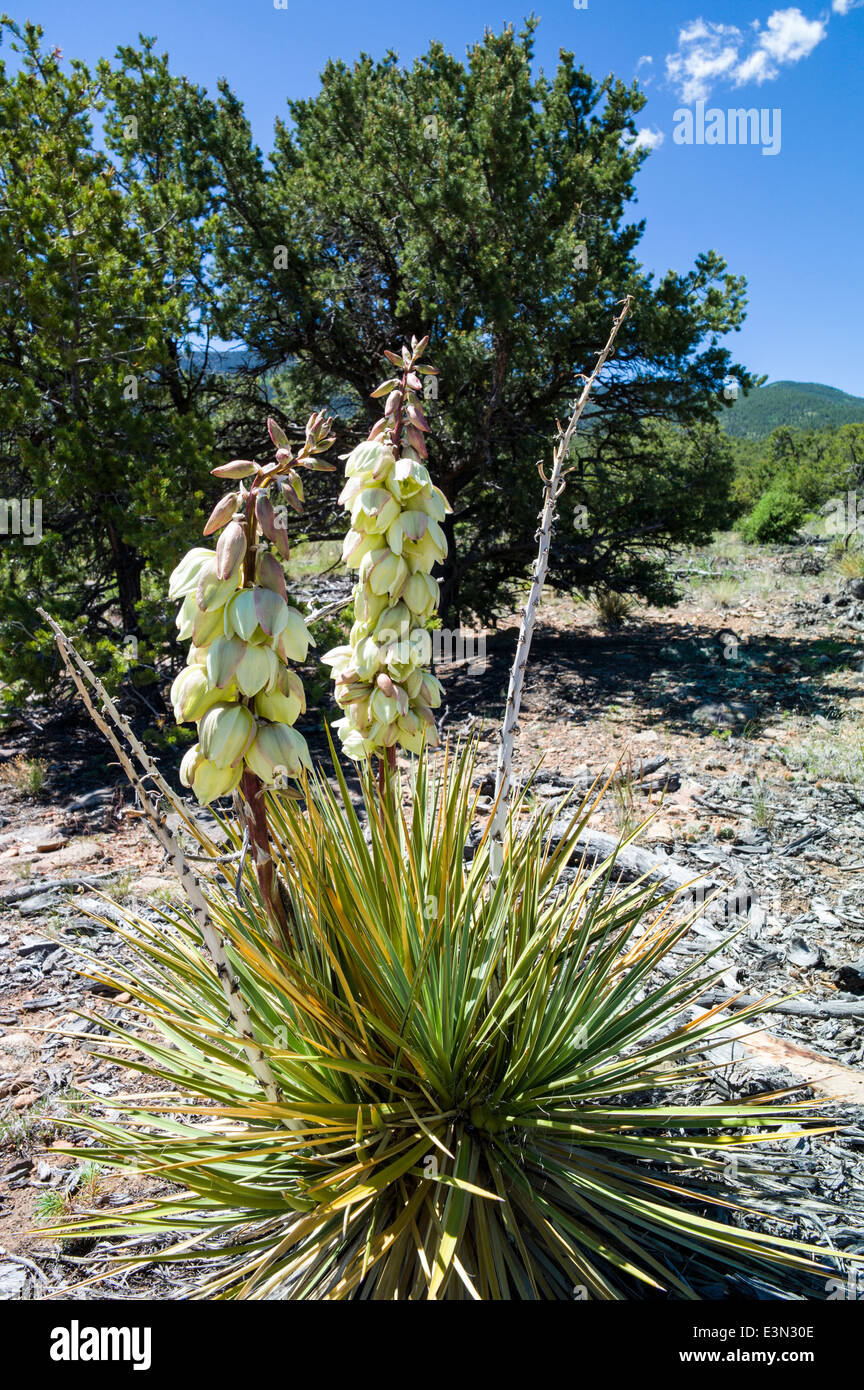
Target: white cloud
{"x": 644, "y": 60}
{"x": 790, "y": 37}
{"x": 649, "y": 138}
{"x": 710, "y": 53}
{"x": 705, "y": 53}
{"x": 843, "y": 6}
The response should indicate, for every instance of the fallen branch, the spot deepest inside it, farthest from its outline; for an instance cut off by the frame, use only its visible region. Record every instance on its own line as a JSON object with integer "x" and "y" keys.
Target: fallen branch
{"x": 19, "y": 892}
{"x": 632, "y": 862}
{"x": 831, "y": 1008}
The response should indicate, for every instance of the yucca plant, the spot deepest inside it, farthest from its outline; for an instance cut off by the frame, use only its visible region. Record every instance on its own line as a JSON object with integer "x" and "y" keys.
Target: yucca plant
{"x": 421, "y": 1056}
{"x": 479, "y": 1094}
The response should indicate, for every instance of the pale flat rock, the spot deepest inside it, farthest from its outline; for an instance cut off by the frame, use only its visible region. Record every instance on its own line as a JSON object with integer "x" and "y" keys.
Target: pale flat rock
{"x": 18, "y": 1046}
{"x": 78, "y": 852}
{"x": 150, "y": 884}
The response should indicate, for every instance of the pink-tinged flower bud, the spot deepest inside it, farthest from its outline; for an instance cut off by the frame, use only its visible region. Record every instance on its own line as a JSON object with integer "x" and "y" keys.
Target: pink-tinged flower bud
{"x": 230, "y": 549}
{"x": 278, "y": 435}
{"x": 394, "y": 692}
{"x": 351, "y": 692}
{"x": 236, "y": 469}
{"x": 184, "y": 577}
{"x": 292, "y": 488}
{"x": 270, "y": 574}
{"x": 272, "y": 527}
{"x": 278, "y": 751}
{"x": 225, "y": 733}
{"x": 221, "y": 513}
{"x": 414, "y": 413}
{"x": 414, "y": 440}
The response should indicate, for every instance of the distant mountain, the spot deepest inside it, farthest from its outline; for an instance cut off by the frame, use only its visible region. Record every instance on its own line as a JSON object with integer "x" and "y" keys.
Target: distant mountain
{"x": 224, "y": 360}
{"x": 802, "y": 405}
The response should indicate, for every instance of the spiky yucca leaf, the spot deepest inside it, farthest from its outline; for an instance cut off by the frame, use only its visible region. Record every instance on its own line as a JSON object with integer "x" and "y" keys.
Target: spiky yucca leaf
{"x": 488, "y": 1085}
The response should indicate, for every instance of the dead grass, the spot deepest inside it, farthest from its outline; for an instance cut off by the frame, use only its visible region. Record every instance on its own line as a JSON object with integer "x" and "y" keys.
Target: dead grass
{"x": 23, "y": 776}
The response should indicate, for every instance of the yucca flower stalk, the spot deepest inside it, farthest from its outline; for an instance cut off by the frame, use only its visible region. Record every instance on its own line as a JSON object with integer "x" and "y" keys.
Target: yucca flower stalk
{"x": 381, "y": 675}
{"x": 239, "y": 687}
{"x": 449, "y": 1141}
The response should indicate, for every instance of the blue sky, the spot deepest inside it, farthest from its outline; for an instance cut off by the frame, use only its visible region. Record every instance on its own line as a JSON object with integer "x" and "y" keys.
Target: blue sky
{"x": 790, "y": 221}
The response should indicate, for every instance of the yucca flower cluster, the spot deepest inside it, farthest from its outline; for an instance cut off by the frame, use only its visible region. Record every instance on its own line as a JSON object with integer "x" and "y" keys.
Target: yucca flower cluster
{"x": 382, "y": 680}
{"x": 238, "y": 686}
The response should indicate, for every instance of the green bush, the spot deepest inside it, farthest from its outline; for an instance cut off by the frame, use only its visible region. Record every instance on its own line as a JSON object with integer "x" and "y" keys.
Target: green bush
{"x": 776, "y": 516}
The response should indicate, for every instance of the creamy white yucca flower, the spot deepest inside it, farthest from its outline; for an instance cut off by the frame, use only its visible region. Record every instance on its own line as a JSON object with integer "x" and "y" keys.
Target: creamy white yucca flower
{"x": 381, "y": 680}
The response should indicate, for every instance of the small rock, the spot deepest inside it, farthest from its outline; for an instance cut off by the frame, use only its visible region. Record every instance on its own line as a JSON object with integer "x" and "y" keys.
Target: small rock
{"x": 40, "y": 902}
{"x": 725, "y": 714}
{"x": 47, "y": 1001}
{"x": 14, "y": 1281}
{"x": 91, "y": 799}
{"x": 34, "y": 946}
{"x": 851, "y": 978}
{"x": 800, "y": 953}
{"x": 20, "y": 1046}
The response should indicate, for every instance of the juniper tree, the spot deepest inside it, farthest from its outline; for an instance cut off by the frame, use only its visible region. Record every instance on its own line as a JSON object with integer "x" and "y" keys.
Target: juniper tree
{"x": 490, "y": 207}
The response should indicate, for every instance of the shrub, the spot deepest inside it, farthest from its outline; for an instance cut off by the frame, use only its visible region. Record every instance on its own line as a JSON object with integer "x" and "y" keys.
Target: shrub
{"x": 611, "y": 608}
{"x": 776, "y": 517}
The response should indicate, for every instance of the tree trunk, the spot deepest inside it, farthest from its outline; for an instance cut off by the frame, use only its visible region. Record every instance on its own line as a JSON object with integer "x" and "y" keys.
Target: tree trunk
{"x": 128, "y": 565}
